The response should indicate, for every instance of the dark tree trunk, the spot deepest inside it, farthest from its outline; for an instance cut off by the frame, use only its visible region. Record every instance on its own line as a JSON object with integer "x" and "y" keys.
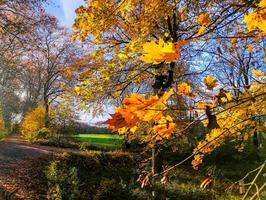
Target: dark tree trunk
{"x": 47, "y": 117}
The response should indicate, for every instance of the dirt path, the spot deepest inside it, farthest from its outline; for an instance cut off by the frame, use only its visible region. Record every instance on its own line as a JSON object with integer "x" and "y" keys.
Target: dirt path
{"x": 14, "y": 150}
{"x": 14, "y": 156}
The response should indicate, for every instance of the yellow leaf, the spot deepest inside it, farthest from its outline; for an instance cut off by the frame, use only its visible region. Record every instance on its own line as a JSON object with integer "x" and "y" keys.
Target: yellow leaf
{"x": 164, "y": 128}
{"x": 122, "y": 56}
{"x": 123, "y": 130}
{"x": 223, "y": 99}
{"x": 133, "y": 129}
{"x": 183, "y": 89}
{"x": 203, "y": 105}
{"x": 228, "y": 96}
{"x": 256, "y": 20}
{"x": 257, "y": 73}
{"x": 162, "y": 52}
{"x": 210, "y": 82}
{"x": 201, "y": 30}
{"x": 77, "y": 90}
{"x": 204, "y": 21}
{"x": 250, "y": 48}
{"x": 153, "y": 52}
{"x": 166, "y": 34}
{"x": 262, "y": 4}
{"x": 233, "y": 41}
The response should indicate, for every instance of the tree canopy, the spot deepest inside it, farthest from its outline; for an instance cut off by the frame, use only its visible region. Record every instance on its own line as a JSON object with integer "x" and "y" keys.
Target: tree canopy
{"x": 175, "y": 64}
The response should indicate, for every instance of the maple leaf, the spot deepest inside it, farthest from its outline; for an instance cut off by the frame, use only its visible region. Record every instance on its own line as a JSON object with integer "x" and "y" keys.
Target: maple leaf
{"x": 204, "y": 21}
{"x": 250, "y": 48}
{"x": 116, "y": 122}
{"x": 162, "y": 52}
{"x": 257, "y": 19}
{"x": 122, "y": 121}
{"x": 165, "y": 128}
{"x": 258, "y": 73}
{"x": 183, "y": 89}
{"x": 139, "y": 106}
{"x": 135, "y": 109}
{"x": 262, "y": 4}
{"x": 145, "y": 109}
{"x": 203, "y": 105}
{"x": 153, "y": 53}
{"x": 77, "y": 90}
{"x": 210, "y": 82}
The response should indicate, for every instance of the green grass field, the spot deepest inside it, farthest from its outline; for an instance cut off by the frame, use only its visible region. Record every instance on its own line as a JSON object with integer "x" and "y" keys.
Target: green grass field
{"x": 102, "y": 140}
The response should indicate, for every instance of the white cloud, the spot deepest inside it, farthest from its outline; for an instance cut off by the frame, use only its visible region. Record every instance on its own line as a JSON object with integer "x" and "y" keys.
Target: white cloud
{"x": 69, "y": 7}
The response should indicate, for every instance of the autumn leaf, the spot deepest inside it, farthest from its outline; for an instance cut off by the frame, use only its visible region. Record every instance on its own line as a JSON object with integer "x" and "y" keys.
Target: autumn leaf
{"x": 210, "y": 82}
{"x": 262, "y": 4}
{"x": 136, "y": 109}
{"x": 146, "y": 109}
{"x": 204, "y": 21}
{"x": 258, "y": 73}
{"x": 67, "y": 73}
{"x": 162, "y": 52}
{"x": 250, "y": 48}
{"x": 203, "y": 105}
{"x": 183, "y": 89}
{"x": 233, "y": 41}
{"x": 116, "y": 122}
{"x": 157, "y": 53}
{"x": 257, "y": 19}
{"x": 205, "y": 146}
{"x": 164, "y": 128}
{"x": 77, "y": 90}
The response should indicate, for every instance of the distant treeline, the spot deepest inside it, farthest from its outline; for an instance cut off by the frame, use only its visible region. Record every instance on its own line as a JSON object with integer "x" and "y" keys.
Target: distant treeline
{"x": 83, "y": 128}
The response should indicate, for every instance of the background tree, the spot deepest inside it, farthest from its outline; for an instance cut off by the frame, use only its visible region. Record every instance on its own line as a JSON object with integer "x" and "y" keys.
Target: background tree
{"x": 17, "y": 21}
{"x": 42, "y": 69}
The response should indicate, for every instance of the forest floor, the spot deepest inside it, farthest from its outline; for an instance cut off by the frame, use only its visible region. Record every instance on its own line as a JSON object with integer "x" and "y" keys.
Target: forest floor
{"x": 15, "y": 155}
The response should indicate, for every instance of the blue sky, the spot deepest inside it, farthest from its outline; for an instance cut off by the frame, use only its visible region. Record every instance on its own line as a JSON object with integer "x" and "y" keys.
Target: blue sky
{"x": 64, "y": 10}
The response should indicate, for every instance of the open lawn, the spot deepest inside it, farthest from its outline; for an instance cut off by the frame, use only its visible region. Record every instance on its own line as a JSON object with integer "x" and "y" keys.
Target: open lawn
{"x": 102, "y": 140}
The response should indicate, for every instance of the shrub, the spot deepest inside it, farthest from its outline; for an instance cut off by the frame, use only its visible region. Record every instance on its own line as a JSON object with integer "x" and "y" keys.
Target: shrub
{"x": 111, "y": 189}
{"x": 33, "y": 125}
{"x": 63, "y": 182}
{"x": 3, "y": 130}
{"x": 2, "y": 125}
{"x": 60, "y": 130}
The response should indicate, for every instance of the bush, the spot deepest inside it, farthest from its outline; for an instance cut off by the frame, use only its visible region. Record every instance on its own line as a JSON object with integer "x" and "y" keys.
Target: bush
{"x": 62, "y": 183}
{"x": 61, "y": 142}
{"x": 3, "y": 131}
{"x": 95, "y": 175}
{"x": 33, "y": 126}
{"x": 111, "y": 189}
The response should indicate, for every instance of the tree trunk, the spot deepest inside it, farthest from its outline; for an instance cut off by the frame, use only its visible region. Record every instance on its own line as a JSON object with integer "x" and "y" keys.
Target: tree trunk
{"x": 47, "y": 117}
